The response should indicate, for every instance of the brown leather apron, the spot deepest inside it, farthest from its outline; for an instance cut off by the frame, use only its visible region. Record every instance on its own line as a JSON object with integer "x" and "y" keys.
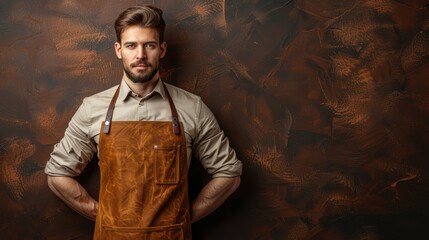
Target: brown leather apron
{"x": 143, "y": 183}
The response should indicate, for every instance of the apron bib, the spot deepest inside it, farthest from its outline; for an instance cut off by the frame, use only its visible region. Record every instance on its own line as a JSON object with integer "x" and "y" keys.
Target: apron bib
{"x": 143, "y": 179}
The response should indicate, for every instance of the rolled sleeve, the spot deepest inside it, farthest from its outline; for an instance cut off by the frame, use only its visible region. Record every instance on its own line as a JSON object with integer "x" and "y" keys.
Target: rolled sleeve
{"x": 71, "y": 155}
{"x": 212, "y": 148}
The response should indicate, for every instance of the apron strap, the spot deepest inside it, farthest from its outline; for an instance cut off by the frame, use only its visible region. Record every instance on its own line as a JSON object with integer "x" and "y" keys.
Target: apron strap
{"x": 109, "y": 115}
{"x": 175, "y": 116}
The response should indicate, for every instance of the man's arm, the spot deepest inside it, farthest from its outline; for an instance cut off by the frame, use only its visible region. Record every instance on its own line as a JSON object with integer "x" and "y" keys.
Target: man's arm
{"x": 212, "y": 196}
{"x": 74, "y": 195}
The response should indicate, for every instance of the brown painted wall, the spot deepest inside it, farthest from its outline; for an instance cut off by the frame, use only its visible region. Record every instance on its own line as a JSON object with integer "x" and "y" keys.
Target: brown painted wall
{"x": 326, "y": 103}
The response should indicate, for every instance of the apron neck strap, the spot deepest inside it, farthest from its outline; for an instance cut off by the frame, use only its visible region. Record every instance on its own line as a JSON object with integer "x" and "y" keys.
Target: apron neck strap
{"x": 109, "y": 115}
{"x": 174, "y": 115}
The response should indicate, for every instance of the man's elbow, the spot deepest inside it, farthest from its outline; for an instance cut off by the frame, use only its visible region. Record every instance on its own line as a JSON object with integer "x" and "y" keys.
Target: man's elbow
{"x": 236, "y": 183}
{"x": 55, "y": 184}
{"x": 51, "y": 183}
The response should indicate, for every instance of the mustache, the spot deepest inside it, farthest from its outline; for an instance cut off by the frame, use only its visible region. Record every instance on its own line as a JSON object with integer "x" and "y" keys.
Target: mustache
{"x": 143, "y": 62}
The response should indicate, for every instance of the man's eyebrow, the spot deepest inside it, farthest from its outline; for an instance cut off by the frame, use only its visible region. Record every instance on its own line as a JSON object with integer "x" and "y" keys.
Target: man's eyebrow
{"x": 151, "y": 42}
{"x": 125, "y": 43}
{"x": 130, "y": 42}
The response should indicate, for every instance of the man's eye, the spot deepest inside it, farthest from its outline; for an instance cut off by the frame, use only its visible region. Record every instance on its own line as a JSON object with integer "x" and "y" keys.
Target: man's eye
{"x": 130, "y": 46}
{"x": 150, "y": 45}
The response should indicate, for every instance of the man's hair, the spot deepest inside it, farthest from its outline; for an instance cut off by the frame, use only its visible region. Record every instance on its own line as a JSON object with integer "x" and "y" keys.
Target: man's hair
{"x": 144, "y": 16}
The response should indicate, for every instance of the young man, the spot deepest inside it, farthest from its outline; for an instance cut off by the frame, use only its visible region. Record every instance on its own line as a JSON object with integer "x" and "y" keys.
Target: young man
{"x": 149, "y": 130}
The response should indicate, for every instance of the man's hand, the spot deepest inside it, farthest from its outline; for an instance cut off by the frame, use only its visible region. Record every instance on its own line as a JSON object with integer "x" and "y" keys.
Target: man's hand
{"x": 212, "y": 196}
{"x": 74, "y": 195}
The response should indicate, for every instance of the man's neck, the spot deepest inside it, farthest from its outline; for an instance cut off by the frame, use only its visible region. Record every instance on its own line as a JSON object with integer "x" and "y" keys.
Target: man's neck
{"x": 142, "y": 89}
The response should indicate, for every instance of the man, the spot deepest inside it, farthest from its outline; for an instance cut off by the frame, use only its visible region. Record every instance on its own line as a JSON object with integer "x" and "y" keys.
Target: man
{"x": 149, "y": 130}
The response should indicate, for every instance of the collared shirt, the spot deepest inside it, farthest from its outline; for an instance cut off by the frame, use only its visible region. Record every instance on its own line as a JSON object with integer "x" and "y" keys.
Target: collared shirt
{"x": 204, "y": 138}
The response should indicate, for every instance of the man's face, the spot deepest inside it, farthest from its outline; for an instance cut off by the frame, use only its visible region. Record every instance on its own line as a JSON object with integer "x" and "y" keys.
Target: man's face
{"x": 140, "y": 51}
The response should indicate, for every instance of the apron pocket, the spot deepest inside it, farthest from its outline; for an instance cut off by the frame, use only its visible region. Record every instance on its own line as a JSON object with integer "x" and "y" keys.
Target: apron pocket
{"x": 167, "y": 164}
{"x": 169, "y": 232}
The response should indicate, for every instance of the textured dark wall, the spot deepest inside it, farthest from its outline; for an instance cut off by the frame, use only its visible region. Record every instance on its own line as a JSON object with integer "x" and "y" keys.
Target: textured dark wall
{"x": 326, "y": 103}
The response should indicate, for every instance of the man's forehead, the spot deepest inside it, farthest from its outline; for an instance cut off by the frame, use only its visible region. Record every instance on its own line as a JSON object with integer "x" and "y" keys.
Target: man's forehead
{"x": 138, "y": 33}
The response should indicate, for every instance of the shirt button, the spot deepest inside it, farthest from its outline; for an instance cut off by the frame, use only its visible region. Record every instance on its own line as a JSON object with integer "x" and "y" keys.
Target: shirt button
{"x": 141, "y": 103}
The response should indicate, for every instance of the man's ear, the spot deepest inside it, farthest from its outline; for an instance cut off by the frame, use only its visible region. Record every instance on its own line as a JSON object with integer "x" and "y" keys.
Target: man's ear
{"x": 118, "y": 50}
{"x": 163, "y": 47}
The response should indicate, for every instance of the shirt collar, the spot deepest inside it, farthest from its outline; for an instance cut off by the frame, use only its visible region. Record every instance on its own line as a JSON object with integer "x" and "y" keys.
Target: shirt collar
{"x": 126, "y": 92}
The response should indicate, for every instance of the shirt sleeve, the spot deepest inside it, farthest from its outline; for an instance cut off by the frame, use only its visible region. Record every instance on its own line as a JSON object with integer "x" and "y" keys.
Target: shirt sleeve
{"x": 71, "y": 155}
{"x": 212, "y": 148}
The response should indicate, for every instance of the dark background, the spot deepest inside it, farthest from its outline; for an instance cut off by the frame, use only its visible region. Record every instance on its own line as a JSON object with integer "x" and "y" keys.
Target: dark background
{"x": 326, "y": 103}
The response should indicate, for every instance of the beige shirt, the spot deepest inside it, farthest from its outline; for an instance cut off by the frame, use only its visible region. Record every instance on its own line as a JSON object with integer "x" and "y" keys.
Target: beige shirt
{"x": 203, "y": 136}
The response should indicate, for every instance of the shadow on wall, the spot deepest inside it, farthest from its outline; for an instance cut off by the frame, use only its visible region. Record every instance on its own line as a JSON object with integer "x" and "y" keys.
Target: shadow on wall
{"x": 325, "y": 102}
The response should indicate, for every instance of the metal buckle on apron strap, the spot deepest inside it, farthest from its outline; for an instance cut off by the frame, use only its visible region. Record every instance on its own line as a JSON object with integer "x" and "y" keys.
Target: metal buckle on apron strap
{"x": 109, "y": 115}
{"x": 175, "y": 118}
{"x": 176, "y": 128}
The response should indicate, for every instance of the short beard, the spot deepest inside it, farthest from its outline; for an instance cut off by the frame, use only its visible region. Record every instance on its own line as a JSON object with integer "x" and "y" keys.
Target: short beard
{"x": 143, "y": 79}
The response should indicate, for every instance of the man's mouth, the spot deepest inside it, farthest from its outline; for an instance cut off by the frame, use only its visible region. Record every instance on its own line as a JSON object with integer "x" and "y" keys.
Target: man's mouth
{"x": 140, "y": 65}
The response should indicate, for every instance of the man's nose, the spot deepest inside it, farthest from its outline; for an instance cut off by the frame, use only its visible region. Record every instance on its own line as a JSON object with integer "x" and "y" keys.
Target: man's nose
{"x": 140, "y": 54}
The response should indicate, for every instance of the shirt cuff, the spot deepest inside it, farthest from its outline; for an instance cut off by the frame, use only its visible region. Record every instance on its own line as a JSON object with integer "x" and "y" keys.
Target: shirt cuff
{"x": 229, "y": 170}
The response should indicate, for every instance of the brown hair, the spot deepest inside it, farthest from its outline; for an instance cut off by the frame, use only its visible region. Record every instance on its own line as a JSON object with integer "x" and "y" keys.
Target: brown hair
{"x": 144, "y": 16}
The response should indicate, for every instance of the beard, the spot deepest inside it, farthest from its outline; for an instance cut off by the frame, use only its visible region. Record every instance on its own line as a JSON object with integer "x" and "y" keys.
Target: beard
{"x": 141, "y": 77}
